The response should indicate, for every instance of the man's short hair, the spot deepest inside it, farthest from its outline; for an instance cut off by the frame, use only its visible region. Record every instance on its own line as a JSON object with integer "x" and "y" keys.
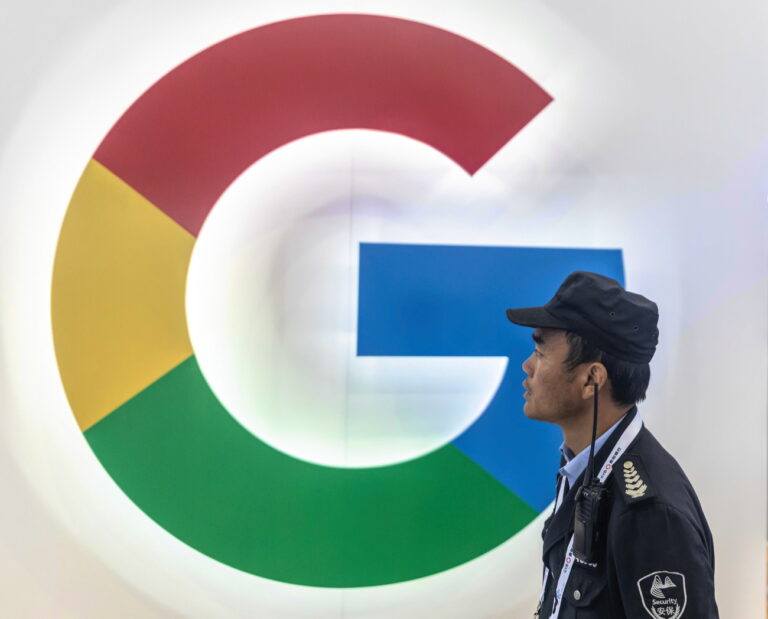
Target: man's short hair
{"x": 629, "y": 381}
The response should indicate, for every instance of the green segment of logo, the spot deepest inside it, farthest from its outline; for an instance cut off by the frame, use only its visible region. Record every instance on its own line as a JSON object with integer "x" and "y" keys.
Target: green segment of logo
{"x": 185, "y": 462}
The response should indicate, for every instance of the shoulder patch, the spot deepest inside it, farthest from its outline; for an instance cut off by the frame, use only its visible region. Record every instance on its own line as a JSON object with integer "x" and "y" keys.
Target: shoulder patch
{"x": 633, "y": 480}
{"x": 663, "y": 594}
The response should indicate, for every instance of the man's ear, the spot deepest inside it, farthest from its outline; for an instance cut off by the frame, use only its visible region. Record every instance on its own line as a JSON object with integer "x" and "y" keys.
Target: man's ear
{"x": 595, "y": 374}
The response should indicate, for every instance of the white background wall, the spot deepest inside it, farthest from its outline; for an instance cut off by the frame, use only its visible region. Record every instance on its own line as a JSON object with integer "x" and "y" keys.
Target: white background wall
{"x": 655, "y": 143}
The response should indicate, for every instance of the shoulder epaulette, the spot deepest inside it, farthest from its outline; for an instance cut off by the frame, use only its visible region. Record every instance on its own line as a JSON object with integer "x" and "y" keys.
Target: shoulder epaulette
{"x": 632, "y": 478}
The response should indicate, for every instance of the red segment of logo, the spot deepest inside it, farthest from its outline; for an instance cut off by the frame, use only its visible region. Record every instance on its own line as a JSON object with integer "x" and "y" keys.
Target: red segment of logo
{"x": 199, "y": 127}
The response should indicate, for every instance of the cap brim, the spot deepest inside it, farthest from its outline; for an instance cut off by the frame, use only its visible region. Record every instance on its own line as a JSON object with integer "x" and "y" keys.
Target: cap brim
{"x": 535, "y": 317}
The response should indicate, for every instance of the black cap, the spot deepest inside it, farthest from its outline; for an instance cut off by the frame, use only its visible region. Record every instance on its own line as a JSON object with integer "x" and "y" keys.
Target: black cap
{"x": 620, "y": 323}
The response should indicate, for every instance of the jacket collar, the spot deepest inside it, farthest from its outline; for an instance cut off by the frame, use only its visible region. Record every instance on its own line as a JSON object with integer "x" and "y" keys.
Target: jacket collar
{"x": 561, "y": 525}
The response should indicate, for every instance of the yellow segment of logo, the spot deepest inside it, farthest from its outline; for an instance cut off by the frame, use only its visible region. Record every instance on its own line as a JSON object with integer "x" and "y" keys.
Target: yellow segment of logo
{"x": 118, "y": 295}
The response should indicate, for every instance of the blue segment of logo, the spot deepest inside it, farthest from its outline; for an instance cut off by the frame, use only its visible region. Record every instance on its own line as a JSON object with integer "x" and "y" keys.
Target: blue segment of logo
{"x": 450, "y": 300}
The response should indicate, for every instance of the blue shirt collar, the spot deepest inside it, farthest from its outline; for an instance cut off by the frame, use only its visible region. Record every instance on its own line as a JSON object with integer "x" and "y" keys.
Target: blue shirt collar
{"x": 575, "y": 464}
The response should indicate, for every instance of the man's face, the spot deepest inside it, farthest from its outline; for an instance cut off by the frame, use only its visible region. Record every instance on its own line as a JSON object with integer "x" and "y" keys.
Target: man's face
{"x": 552, "y": 393}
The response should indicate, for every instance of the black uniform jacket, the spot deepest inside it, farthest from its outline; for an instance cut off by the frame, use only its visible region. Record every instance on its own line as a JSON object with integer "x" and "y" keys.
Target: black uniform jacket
{"x": 657, "y": 558}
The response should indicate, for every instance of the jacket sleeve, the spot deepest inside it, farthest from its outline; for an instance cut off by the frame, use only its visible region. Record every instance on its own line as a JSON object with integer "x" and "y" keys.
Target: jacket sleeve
{"x": 664, "y": 565}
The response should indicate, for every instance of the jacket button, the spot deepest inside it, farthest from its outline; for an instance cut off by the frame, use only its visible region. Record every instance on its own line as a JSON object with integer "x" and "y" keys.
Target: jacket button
{"x": 577, "y": 595}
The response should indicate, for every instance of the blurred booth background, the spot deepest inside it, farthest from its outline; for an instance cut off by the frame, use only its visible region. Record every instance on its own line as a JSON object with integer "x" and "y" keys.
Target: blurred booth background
{"x": 255, "y": 258}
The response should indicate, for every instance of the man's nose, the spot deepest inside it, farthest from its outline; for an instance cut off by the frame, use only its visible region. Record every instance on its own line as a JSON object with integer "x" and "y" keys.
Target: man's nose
{"x": 527, "y": 365}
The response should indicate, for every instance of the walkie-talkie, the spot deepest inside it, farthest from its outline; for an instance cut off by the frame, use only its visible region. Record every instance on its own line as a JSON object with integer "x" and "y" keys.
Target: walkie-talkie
{"x": 592, "y": 503}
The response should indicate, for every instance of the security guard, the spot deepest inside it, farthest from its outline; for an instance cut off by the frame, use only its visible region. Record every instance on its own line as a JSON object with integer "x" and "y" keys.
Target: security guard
{"x": 627, "y": 537}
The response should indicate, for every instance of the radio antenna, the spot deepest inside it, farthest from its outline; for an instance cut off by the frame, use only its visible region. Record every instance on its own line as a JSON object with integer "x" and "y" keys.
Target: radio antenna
{"x": 588, "y": 477}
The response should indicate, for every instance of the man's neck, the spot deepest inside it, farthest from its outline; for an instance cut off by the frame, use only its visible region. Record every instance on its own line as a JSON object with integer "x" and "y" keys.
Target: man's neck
{"x": 577, "y": 431}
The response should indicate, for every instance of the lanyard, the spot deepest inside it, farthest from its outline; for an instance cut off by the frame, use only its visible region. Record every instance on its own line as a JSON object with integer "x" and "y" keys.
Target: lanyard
{"x": 626, "y": 438}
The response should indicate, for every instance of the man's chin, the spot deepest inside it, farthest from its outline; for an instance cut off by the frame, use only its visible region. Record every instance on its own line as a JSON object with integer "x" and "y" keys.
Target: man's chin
{"x": 530, "y": 411}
